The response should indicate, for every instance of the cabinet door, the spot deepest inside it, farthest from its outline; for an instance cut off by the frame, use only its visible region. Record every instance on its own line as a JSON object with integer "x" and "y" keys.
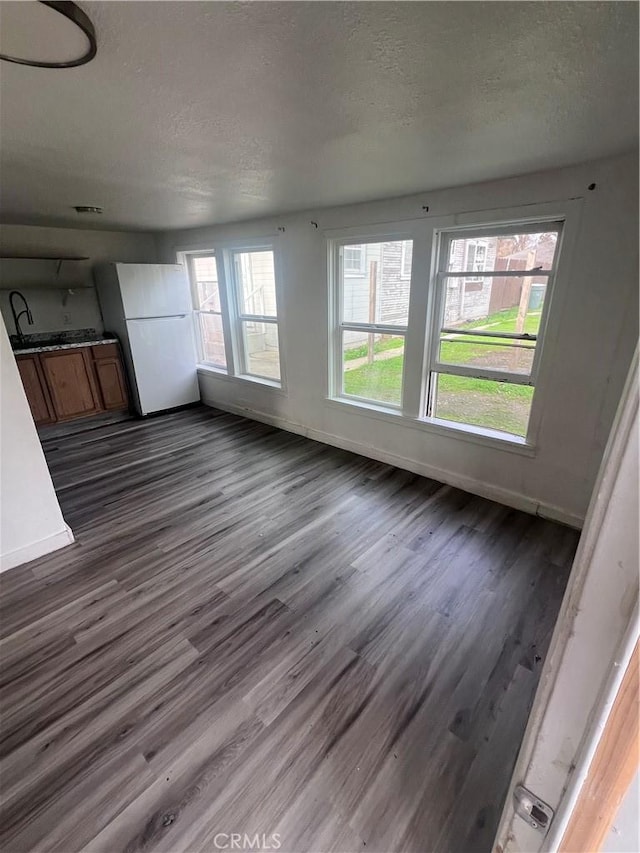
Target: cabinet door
{"x": 36, "y": 389}
{"x": 111, "y": 381}
{"x": 69, "y": 375}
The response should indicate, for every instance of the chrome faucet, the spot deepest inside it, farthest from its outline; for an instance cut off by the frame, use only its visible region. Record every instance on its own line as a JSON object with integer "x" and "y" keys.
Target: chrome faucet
{"x": 25, "y": 310}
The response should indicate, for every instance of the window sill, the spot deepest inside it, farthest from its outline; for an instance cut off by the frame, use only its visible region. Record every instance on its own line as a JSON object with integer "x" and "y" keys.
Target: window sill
{"x": 208, "y": 370}
{"x": 374, "y": 409}
{"x": 448, "y": 429}
{"x": 481, "y": 435}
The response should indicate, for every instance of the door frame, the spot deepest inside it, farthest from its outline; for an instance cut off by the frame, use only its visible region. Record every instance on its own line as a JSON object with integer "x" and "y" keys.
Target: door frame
{"x": 611, "y": 771}
{"x": 591, "y": 645}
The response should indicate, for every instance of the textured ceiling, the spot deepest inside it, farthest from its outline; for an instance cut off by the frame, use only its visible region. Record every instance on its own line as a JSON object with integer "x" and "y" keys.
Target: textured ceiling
{"x": 197, "y": 113}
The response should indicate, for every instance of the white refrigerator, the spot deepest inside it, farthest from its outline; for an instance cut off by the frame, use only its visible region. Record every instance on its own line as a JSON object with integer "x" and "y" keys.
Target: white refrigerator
{"x": 148, "y": 306}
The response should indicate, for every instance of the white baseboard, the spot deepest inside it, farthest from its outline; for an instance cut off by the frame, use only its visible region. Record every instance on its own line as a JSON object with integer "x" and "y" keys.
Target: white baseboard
{"x": 563, "y": 516}
{"x": 458, "y": 481}
{"x": 36, "y": 549}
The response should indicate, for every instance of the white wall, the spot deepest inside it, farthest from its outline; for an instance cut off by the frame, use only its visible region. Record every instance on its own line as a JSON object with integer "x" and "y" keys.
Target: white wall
{"x": 44, "y": 287}
{"x": 624, "y": 835}
{"x": 31, "y": 522}
{"x": 585, "y": 362}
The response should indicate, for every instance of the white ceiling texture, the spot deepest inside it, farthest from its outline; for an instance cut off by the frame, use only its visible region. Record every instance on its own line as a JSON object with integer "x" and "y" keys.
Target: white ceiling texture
{"x": 196, "y": 113}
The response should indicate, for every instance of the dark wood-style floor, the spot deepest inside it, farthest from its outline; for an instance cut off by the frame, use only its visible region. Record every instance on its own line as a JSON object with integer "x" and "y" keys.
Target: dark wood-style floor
{"x": 257, "y": 634}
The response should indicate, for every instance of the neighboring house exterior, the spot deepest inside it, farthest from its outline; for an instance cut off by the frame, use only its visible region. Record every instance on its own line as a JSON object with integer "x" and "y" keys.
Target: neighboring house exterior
{"x": 477, "y": 297}
{"x": 469, "y": 298}
{"x": 389, "y": 303}
{"x": 387, "y": 266}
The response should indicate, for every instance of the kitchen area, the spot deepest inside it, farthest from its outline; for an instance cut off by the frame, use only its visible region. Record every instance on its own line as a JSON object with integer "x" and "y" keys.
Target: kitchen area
{"x": 97, "y": 340}
{"x": 70, "y": 375}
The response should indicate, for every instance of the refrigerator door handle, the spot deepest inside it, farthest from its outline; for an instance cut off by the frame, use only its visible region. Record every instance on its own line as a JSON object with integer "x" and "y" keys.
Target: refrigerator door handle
{"x": 161, "y": 317}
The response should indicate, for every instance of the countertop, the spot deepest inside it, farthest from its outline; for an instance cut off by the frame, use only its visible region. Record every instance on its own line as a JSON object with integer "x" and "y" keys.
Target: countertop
{"x": 74, "y": 345}
{"x": 71, "y": 339}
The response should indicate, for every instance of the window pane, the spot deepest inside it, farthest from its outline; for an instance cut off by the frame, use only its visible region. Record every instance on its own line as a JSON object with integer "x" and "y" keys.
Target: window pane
{"x": 353, "y": 259}
{"x": 483, "y": 402}
{"x": 372, "y": 366}
{"x": 212, "y": 339}
{"x": 500, "y": 304}
{"x": 262, "y": 356}
{"x": 376, "y": 291}
{"x": 505, "y": 252}
{"x": 206, "y": 276}
{"x": 256, "y": 281}
{"x": 487, "y": 353}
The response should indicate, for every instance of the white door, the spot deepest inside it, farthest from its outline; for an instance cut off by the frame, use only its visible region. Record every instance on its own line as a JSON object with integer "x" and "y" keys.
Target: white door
{"x": 164, "y": 362}
{"x": 154, "y": 290}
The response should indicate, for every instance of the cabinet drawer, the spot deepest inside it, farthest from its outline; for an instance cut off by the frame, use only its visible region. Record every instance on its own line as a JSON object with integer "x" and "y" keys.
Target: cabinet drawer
{"x": 105, "y": 351}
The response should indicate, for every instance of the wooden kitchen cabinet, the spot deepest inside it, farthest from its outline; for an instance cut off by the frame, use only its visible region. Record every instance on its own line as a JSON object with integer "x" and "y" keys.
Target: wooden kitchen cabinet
{"x": 71, "y": 382}
{"x": 64, "y": 384}
{"x": 110, "y": 376}
{"x": 35, "y": 387}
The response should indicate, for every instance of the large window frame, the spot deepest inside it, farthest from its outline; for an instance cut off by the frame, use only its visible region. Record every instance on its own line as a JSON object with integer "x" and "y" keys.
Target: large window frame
{"x": 199, "y": 311}
{"x": 440, "y": 284}
{"x": 435, "y": 366}
{"x": 241, "y": 318}
{"x": 425, "y": 306}
{"x": 339, "y": 325}
{"x": 234, "y": 318}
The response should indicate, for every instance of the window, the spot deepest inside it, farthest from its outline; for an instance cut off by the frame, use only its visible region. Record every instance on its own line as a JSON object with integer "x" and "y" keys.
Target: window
{"x": 406, "y": 256}
{"x": 454, "y": 349}
{"x": 476, "y": 257}
{"x": 254, "y": 284}
{"x": 206, "y": 296}
{"x": 485, "y": 342}
{"x": 372, "y": 314}
{"x": 236, "y": 314}
{"x": 354, "y": 260}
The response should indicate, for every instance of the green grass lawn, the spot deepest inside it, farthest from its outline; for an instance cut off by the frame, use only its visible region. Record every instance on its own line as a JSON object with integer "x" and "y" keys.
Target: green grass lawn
{"x": 495, "y": 405}
{"x": 381, "y": 381}
{"x": 505, "y": 321}
{"x": 466, "y": 348}
{"x": 379, "y": 346}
